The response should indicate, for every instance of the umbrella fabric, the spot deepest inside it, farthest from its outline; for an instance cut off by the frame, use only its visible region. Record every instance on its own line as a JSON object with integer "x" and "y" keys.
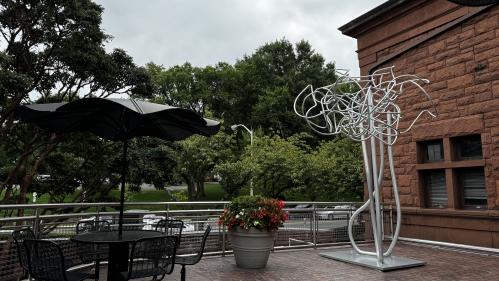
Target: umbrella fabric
{"x": 118, "y": 120}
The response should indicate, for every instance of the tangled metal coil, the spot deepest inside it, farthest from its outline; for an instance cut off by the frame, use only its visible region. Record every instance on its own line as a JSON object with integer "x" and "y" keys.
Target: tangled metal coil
{"x": 360, "y": 107}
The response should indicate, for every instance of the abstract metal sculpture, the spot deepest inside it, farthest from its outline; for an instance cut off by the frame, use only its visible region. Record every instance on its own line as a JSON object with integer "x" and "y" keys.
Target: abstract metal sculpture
{"x": 365, "y": 109}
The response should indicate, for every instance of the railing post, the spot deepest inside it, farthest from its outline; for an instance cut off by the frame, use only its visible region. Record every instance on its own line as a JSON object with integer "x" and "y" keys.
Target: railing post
{"x": 167, "y": 211}
{"x": 223, "y": 235}
{"x": 314, "y": 224}
{"x": 36, "y": 223}
{"x": 97, "y": 215}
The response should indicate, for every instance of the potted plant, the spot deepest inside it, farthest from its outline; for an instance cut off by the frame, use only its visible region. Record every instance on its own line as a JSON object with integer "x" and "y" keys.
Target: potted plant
{"x": 252, "y": 222}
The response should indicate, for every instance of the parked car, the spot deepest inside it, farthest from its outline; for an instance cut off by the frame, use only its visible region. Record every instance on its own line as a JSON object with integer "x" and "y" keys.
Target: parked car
{"x": 336, "y": 212}
{"x": 301, "y": 211}
{"x": 109, "y": 219}
{"x": 150, "y": 221}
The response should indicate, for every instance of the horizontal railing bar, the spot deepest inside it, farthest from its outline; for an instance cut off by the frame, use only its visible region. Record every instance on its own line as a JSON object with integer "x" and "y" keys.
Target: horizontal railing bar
{"x": 13, "y": 219}
{"x": 73, "y": 215}
{"x": 450, "y": 245}
{"x": 113, "y": 204}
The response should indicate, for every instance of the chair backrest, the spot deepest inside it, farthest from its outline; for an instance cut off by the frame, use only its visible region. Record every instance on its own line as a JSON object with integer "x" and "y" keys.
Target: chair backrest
{"x": 19, "y": 236}
{"x": 171, "y": 227}
{"x": 152, "y": 256}
{"x": 203, "y": 243}
{"x": 45, "y": 260}
{"x": 87, "y": 226}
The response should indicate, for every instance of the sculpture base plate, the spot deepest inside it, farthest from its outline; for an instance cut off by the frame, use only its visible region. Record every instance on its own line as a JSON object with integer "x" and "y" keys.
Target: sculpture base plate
{"x": 389, "y": 263}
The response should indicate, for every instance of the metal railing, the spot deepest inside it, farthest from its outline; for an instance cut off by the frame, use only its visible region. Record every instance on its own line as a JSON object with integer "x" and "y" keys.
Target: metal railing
{"x": 311, "y": 224}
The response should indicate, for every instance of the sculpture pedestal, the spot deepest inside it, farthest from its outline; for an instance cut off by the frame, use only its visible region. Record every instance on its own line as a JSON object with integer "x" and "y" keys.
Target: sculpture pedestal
{"x": 389, "y": 263}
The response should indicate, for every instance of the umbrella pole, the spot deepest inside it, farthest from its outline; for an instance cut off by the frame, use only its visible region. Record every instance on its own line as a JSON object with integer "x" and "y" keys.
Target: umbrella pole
{"x": 122, "y": 193}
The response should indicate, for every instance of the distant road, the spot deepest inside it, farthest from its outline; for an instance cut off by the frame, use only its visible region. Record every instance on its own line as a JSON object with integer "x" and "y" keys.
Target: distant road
{"x": 146, "y": 186}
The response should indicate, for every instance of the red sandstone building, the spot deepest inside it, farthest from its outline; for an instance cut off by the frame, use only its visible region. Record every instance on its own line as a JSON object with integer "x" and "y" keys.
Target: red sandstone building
{"x": 447, "y": 167}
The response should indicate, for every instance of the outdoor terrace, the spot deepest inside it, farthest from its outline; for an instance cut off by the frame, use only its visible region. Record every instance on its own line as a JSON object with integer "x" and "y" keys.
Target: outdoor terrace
{"x": 296, "y": 253}
{"x": 306, "y": 264}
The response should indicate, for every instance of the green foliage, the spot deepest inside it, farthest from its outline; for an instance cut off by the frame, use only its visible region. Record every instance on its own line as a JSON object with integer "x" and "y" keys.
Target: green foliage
{"x": 196, "y": 158}
{"x": 334, "y": 171}
{"x": 258, "y": 90}
{"x": 152, "y": 161}
{"x": 278, "y": 164}
{"x": 234, "y": 176}
{"x": 180, "y": 195}
{"x": 182, "y": 85}
{"x": 268, "y": 82}
{"x": 291, "y": 168}
{"x": 81, "y": 159}
{"x": 273, "y": 164}
{"x": 53, "y": 51}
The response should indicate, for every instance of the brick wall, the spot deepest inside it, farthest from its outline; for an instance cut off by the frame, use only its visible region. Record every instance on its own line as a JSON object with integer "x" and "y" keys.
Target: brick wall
{"x": 462, "y": 64}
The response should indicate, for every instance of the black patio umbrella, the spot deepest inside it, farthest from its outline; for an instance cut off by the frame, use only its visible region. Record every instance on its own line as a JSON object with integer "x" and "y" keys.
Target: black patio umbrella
{"x": 118, "y": 120}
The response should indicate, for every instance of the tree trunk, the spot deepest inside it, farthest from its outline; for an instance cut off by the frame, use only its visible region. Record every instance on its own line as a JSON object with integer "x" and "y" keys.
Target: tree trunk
{"x": 200, "y": 189}
{"x": 11, "y": 177}
{"x": 191, "y": 187}
{"x": 28, "y": 178}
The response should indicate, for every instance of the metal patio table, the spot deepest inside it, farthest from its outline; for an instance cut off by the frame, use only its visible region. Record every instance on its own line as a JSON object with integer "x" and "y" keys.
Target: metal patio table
{"x": 118, "y": 247}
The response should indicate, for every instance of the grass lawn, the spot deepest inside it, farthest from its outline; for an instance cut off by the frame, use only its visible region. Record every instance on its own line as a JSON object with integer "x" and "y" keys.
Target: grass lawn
{"x": 213, "y": 192}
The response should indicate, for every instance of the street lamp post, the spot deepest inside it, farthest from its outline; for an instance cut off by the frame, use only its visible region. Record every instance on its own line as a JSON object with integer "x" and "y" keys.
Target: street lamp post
{"x": 234, "y": 128}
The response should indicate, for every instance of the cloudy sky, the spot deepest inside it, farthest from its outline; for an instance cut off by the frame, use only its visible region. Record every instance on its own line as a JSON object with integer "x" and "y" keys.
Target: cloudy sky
{"x": 205, "y": 32}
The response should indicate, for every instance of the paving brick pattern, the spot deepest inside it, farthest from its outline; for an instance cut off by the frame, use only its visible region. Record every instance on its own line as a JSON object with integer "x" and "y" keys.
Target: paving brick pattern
{"x": 307, "y": 265}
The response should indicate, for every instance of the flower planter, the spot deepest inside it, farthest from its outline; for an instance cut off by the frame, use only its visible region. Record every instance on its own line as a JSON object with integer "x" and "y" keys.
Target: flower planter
{"x": 251, "y": 246}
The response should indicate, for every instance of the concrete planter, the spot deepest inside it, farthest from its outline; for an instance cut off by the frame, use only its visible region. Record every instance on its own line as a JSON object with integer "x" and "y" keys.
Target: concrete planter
{"x": 251, "y": 246}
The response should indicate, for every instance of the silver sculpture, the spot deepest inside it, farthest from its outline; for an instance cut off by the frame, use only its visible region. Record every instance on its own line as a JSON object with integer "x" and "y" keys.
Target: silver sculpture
{"x": 364, "y": 109}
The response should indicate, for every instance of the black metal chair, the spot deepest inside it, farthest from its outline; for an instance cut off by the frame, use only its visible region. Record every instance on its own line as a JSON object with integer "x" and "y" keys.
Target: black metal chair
{"x": 19, "y": 236}
{"x": 152, "y": 257}
{"x": 87, "y": 226}
{"x": 171, "y": 227}
{"x": 93, "y": 252}
{"x": 46, "y": 262}
{"x": 192, "y": 259}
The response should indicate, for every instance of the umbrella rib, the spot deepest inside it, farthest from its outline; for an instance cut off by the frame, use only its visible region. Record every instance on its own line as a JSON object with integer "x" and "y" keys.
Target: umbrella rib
{"x": 137, "y": 106}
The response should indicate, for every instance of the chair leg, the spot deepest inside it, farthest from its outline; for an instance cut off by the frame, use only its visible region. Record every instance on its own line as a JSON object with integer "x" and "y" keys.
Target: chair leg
{"x": 182, "y": 273}
{"x": 97, "y": 270}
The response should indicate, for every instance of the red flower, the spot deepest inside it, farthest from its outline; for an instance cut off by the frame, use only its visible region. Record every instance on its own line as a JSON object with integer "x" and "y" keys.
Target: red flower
{"x": 254, "y": 211}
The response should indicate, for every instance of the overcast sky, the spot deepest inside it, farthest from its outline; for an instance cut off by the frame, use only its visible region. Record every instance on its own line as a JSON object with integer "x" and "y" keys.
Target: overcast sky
{"x": 205, "y": 32}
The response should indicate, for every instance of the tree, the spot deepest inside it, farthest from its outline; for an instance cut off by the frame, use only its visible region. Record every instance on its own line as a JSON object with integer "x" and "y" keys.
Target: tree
{"x": 196, "y": 158}
{"x": 182, "y": 86}
{"x": 268, "y": 82}
{"x": 153, "y": 163}
{"x": 273, "y": 164}
{"x": 334, "y": 171}
{"x": 53, "y": 51}
{"x": 80, "y": 160}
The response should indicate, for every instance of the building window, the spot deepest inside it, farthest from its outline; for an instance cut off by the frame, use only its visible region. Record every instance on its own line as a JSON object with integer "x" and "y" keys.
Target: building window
{"x": 436, "y": 190}
{"x": 433, "y": 151}
{"x": 467, "y": 148}
{"x": 472, "y": 184}
{"x": 451, "y": 173}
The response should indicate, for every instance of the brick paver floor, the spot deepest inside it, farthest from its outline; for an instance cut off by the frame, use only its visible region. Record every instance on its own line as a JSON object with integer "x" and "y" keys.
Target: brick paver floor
{"x": 307, "y": 265}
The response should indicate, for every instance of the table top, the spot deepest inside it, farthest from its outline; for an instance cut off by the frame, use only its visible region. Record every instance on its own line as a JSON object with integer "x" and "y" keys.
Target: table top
{"x": 107, "y": 237}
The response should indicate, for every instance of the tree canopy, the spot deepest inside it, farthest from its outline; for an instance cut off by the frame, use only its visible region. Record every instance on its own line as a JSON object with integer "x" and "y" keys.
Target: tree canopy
{"x": 53, "y": 51}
